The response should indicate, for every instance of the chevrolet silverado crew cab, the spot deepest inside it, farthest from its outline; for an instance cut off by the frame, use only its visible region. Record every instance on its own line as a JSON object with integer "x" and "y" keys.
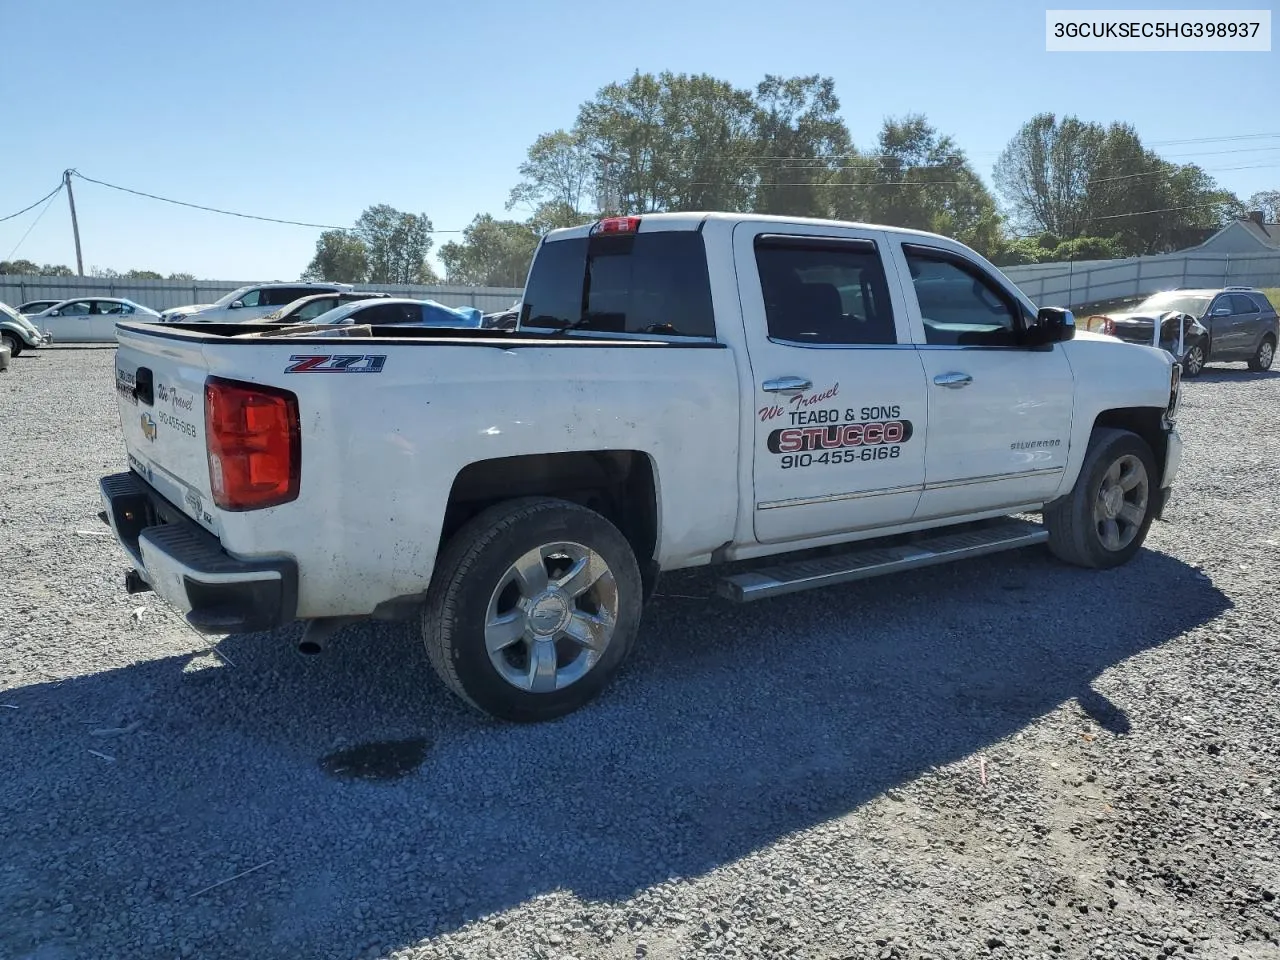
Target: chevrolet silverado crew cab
{"x": 802, "y": 402}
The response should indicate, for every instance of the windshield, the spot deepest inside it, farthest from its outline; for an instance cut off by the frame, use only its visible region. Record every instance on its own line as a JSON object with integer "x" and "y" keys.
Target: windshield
{"x": 1163, "y": 302}
{"x": 232, "y": 296}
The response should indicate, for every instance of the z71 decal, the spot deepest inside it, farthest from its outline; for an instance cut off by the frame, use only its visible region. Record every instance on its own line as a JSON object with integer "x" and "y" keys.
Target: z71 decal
{"x": 327, "y": 363}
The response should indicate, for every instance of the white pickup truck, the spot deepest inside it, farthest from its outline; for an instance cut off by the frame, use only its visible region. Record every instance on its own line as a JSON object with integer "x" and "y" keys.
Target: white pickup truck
{"x": 681, "y": 390}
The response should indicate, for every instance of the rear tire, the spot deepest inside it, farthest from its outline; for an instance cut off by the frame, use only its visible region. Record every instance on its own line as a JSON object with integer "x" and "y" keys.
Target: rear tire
{"x": 12, "y": 342}
{"x": 1266, "y": 355}
{"x": 533, "y": 609}
{"x": 1104, "y": 520}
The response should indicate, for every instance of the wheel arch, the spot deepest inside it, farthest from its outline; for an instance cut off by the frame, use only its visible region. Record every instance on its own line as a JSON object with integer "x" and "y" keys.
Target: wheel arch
{"x": 1147, "y": 423}
{"x": 621, "y": 485}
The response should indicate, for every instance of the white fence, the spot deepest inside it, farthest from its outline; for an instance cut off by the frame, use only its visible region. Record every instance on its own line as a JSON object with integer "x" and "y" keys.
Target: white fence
{"x": 163, "y": 294}
{"x": 1089, "y": 281}
{"x": 1058, "y": 284}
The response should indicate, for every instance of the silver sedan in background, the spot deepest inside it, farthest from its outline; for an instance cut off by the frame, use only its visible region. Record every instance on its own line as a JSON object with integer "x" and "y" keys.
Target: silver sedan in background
{"x": 90, "y": 319}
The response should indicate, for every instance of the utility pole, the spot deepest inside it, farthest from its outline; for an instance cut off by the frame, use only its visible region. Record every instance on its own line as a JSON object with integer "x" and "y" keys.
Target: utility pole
{"x": 604, "y": 200}
{"x": 75, "y": 225}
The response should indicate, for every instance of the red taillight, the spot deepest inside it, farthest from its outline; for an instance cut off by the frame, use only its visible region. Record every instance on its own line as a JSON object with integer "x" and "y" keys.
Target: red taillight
{"x": 255, "y": 446}
{"x": 1100, "y": 324}
{"x": 617, "y": 225}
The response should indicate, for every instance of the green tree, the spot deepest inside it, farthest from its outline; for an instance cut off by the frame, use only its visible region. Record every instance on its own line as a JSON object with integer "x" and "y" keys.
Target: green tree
{"x": 341, "y": 257}
{"x": 553, "y": 216}
{"x": 559, "y": 171}
{"x": 1268, "y": 201}
{"x": 800, "y": 141}
{"x": 396, "y": 245}
{"x": 182, "y": 276}
{"x": 671, "y": 142}
{"x": 1081, "y": 179}
{"x": 56, "y": 270}
{"x": 19, "y": 267}
{"x": 921, "y": 179}
{"x": 492, "y": 253}
{"x": 1046, "y": 170}
{"x": 143, "y": 275}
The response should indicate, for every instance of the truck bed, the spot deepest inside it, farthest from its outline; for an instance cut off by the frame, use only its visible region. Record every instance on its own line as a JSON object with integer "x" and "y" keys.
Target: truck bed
{"x": 402, "y": 334}
{"x": 385, "y": 430}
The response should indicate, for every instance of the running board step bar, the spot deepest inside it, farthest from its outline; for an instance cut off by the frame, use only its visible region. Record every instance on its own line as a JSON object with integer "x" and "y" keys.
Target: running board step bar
{"x": 878, "y": 561}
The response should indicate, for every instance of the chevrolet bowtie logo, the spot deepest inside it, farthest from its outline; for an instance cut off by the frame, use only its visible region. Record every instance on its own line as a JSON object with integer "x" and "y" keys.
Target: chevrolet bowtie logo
{"x": 148, "y": 427}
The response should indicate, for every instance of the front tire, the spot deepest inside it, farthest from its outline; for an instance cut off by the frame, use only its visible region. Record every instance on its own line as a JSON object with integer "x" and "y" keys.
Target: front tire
{"x": 1193, "y": 363}
{"x": 1266, "y": 355}
{"x": 12, "y": 342}
{"x": 1104, "y": 520}
{"x": 533, "y": 609}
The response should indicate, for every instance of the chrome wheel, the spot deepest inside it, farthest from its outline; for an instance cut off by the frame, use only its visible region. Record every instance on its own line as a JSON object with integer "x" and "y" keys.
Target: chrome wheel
{"x": 1193, "y": 363}
{"x": 1121, "y": 505}
{"x": 1266, "y": 353}
{"x": 551, "y": 617}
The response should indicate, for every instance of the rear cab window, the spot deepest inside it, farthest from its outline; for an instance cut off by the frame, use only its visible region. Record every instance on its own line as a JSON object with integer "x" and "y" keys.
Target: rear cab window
{"x": 653, "y": 284}
{"x": 824, "y": 292}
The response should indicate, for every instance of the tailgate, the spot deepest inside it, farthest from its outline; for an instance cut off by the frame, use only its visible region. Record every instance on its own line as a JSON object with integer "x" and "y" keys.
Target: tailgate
{"x": 160, "y": 393}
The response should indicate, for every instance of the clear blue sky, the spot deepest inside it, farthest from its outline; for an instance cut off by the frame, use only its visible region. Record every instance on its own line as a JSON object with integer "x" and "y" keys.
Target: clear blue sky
{"x": 313, "y": 111}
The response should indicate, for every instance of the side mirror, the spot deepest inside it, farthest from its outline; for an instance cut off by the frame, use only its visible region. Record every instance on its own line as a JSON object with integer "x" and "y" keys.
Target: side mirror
{"x": 1053, "y": 325}
{"x": 55, "y": 313}
{"x": 1221, "y": 312}
{"x": 236, "y": 304}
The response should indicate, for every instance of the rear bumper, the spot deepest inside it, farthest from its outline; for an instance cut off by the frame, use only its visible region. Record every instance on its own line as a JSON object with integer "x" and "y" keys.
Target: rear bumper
{"x": 187, "y": 568}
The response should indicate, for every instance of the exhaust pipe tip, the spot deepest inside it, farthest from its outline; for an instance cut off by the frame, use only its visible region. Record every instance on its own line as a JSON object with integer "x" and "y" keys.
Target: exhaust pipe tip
{"x": 133, "y": 583}
{"x": 320, "y": 630}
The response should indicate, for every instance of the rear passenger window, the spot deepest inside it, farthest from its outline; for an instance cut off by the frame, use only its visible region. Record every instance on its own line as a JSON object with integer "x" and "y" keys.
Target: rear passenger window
{"x": 650, "y": 283}
{"x": 824, "y": 291}
{"x": 383, "y": 313}
{"x": 315, "y": 308}
{"x": 279, "y": 296}
{"x": 958, "y": 304}
{"x": 1243, "y": 304}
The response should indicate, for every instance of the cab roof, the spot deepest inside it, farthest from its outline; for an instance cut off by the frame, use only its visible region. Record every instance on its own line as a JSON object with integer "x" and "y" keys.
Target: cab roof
{"x": 695, "y": 220}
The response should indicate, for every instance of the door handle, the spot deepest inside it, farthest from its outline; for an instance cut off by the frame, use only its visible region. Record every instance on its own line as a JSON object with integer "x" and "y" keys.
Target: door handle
{"x": 786, "y": 385}
{"x": 953, "y": 380}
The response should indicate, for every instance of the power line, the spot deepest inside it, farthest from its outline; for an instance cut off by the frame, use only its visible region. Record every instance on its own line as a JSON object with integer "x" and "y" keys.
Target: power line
{"x": 229, "y": 213}
{"x": 944, "y": 183}
{"x": 1142, "y": 213}
{"x": 51, "y": 193}
{"x": 1087, "y": 219}
{"x": 1241, "y": 136}
{"x": 53, "y": 196}
{"x": 872, "y": 161}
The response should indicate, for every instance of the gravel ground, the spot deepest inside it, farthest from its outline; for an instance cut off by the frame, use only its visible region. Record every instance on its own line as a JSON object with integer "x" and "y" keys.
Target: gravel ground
{"x": 1006, "y": 758}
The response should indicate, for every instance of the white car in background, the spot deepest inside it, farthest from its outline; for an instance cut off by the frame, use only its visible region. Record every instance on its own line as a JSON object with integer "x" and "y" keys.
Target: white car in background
{"x": 32, "y": 307}
{"x": 90, "y": 319}
{"x": 400, "y": 310}
{"x": 249, "y": 302}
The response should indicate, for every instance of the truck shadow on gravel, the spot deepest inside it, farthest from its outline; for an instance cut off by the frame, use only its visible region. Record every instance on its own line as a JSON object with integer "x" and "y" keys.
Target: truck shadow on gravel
{"x": 732, "y": 728}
